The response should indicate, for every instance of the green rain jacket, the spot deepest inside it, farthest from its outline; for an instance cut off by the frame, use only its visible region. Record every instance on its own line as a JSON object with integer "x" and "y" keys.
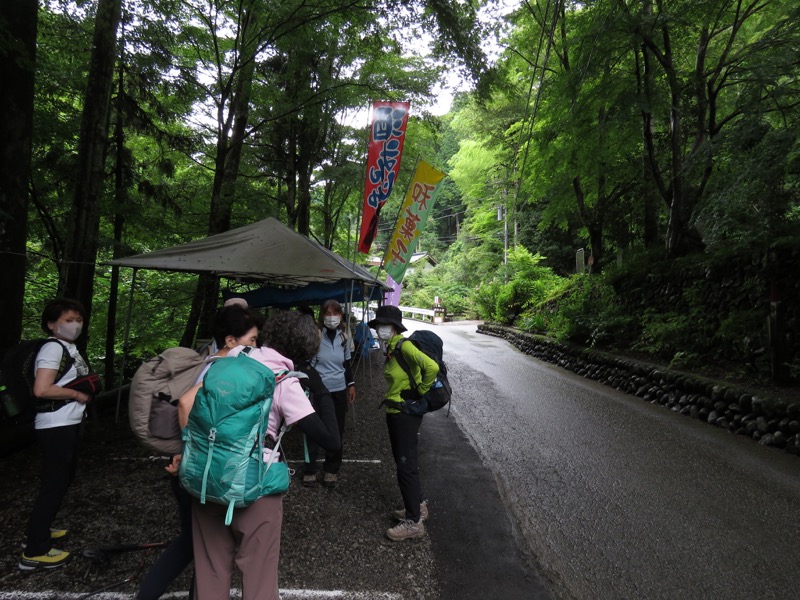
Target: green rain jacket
{"x": 422, "y": 367}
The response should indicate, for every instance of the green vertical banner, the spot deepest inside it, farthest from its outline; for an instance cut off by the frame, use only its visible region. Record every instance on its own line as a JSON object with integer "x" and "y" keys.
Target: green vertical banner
{"x": 411, "y": 221}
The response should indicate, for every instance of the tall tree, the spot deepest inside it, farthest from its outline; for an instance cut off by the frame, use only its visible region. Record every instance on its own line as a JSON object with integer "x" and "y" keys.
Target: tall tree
{"x": 710, "y": 57}
{"x": 18, "y": 22}
{"x": 77, "y": 274}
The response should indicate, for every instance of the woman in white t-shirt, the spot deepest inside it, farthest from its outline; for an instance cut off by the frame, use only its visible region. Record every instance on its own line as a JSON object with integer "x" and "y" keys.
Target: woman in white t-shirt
{"x": 59, "y": 412}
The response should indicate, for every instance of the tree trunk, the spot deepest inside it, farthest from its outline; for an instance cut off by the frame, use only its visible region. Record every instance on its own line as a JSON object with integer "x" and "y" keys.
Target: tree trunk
{"x": 18, "y": 24}
{"x": 304, "y": 196}
{"x": 77, "y": 277}
{"x": 677, "y": 242}
{"x": 650, "y": 172}
{"x": 113, "y": 302}
{"x": 228, "y": 160}
{"x": 291, "y": 177}
{"x": 120, "y": 201}
{"x": 592, "y": 220}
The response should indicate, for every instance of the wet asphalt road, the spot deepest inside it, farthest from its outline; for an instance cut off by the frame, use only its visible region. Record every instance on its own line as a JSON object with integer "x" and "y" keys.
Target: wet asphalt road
{"x": 617, "y": 498}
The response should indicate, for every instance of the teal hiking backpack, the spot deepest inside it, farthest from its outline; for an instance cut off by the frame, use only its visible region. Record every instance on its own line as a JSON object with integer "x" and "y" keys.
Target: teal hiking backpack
{"x": 223, "y": 442}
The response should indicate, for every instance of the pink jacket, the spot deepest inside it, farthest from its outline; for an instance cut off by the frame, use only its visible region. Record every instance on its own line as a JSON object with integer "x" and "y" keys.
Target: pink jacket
{"x": 289, "y": 403}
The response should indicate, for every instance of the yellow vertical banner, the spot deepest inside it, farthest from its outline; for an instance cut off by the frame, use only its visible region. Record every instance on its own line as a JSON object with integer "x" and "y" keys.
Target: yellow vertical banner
{"x": 411, "y": 221}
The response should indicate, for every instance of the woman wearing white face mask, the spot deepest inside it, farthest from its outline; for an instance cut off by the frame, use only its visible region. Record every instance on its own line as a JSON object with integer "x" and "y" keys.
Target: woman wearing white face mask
{"x": 333, "y": 362}
{"x": 61, "y": 391}
{"x": 404, "y": 427}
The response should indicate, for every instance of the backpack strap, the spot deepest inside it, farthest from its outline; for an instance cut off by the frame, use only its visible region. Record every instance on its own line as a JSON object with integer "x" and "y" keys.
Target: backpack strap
{"x": 212, "y": 438}
{"x": 279, "y": 377}
{"x": 64, "y": 365}
{"x": 404, "y": 365}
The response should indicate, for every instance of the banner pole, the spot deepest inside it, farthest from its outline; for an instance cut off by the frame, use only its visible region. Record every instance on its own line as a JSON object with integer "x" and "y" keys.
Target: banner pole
{"x": 125, "y": 344}
{"x": 360, "y": 215}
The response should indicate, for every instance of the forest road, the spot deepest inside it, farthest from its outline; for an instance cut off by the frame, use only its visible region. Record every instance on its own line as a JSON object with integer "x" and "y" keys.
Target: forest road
{"x": 608, "y": 496}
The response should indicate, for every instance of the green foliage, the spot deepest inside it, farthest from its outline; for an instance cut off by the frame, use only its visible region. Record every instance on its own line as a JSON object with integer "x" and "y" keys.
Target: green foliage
{"x": 513, "y": 288}
{"x": 421, "y": 288}
{"x": 756, "y": 195}
{"x": 663, "y": 334}
{"x": 484, "y": 300}
{"x": 534, "y": 322}
{"x": 685, "y": 360}
{"x": 516, "y": 155}
{"x": 584, "y": 310}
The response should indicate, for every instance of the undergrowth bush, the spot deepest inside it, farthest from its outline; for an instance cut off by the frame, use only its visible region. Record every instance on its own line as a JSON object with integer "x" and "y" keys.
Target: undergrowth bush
{"x": 585, "y": 311}
{"x": 663, "y": 334}
{"x": 524, "y": 284}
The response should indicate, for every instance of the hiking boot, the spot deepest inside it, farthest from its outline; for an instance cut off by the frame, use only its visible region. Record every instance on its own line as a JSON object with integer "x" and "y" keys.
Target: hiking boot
{"x": 329, "y": 480}
{"x": 400, "y": 515}
{"x": 310, "y": 479}
{"x": 52, "y": 560}
{"x": 406, "y": 530}
{"x": 55, "y": 534}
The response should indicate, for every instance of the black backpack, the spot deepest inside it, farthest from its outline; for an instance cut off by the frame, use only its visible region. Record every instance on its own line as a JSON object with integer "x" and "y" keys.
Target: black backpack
{"x": 440, "y": 393}
{"x": 19, "y": 365}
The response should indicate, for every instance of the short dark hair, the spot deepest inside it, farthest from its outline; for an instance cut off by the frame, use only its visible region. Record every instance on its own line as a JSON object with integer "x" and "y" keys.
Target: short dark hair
{"x": 234, "y": 320}
{"x": 292, "y": 334}
{"x": 57, "y": 307}
{"x": 305, "y": 309}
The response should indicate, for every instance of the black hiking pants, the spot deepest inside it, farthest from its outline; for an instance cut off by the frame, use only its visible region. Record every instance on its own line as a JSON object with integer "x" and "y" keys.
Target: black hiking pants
{"x": 178, "y": 555}
{"x": 333, "y": 458}
{"x": 403, "y": 430}
{"x": 59, "y": 463}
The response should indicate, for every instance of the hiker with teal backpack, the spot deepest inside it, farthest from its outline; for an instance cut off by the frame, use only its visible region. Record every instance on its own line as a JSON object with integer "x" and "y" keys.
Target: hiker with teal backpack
{"x": 60, "y": 399}
{"x": 232, "y": 461}
{"x": 233, "y": 325}
{"x": 404, "y": 426}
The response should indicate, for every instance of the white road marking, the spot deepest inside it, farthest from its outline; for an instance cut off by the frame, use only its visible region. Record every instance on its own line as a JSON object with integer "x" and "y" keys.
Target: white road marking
{"x": 235, "y": 593}
{"x": 165, "y": 458}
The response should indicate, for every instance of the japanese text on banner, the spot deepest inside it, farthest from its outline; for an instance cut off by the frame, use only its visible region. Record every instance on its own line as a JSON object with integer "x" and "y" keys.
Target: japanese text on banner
{"x": 387, "y": 134}
{"x": 412, "y": 219}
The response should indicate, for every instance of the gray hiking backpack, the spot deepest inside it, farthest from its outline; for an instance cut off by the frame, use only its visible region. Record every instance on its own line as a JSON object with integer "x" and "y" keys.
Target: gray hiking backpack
{"x": 153, "y": 401}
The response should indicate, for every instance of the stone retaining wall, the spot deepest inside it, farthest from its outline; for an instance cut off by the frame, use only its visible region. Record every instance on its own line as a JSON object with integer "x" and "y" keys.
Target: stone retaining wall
{"x": 769, "y": 421}
{"x": 729, "y": 299}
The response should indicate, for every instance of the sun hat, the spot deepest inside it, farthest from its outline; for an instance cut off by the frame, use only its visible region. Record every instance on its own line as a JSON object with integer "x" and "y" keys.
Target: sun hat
{"x": 236, "y": 302}
{"x": 388, "y": 315}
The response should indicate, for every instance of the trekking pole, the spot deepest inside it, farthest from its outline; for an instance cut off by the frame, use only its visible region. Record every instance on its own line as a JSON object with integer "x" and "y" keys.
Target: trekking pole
{"x": 102, "y": 554}
{"x": 110, "y": 587}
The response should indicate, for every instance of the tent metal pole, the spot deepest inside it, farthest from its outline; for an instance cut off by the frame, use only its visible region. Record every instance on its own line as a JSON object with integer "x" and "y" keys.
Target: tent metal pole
{"x": 125, "y": 343}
